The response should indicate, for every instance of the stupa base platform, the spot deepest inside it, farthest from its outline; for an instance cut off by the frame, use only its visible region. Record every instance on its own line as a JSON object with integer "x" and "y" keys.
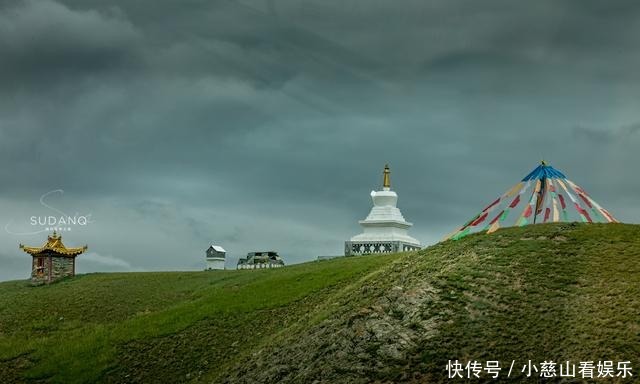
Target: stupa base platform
{"x": 354, "y": 248}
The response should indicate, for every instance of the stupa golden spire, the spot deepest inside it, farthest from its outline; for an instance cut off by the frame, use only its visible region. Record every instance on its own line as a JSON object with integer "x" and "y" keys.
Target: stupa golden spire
{"x": 386, "y": 181}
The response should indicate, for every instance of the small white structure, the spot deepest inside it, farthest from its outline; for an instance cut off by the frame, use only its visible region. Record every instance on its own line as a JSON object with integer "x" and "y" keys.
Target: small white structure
{"x": 215, "y": 257}
{"x": 384, "y": 229}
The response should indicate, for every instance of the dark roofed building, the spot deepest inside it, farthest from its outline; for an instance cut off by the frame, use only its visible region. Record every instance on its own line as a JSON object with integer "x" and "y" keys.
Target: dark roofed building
{"x": 257, "y": 260}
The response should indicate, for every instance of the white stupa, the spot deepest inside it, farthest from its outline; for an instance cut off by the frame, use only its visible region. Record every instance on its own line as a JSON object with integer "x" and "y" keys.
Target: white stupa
{"x": 385, "y": 229}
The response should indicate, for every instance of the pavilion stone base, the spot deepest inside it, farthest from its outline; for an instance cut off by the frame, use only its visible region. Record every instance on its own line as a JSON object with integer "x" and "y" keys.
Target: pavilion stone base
{"x": 51, "y": 269}
{"x": 353, "y": 248}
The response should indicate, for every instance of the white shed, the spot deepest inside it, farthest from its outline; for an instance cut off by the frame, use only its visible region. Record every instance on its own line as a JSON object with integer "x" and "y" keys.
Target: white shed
{"x": 215, "y": 257}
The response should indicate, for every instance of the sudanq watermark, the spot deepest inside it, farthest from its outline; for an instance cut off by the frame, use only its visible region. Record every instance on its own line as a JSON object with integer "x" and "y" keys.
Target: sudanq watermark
{"x": 61, "y": 221}
{"x": 53, "y": 219}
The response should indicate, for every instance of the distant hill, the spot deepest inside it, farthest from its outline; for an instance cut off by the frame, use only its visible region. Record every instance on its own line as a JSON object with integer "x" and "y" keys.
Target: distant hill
{"x": 545, "y": 292}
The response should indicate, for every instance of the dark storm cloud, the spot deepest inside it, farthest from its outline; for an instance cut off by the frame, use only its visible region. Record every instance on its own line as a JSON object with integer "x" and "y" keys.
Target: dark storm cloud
{"x": 265, "y": 124}
{"x": 43, "y": 41}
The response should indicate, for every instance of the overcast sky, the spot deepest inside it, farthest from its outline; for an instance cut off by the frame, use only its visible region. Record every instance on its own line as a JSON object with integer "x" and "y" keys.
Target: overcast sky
{"x": 264, "y": 125}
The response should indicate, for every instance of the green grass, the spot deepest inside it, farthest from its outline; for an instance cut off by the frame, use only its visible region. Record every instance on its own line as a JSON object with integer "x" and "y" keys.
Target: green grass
{"x": 74, "y": 331}
{"x": 559, "y": 291}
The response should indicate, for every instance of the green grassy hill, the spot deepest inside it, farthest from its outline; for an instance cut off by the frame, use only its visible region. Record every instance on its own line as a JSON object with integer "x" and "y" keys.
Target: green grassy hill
{"x": 547, "y": 292}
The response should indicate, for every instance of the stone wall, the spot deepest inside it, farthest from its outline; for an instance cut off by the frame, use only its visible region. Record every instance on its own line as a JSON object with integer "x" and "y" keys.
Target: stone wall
{"x": 53, "y": 268}
{"x": 61, "y": 267}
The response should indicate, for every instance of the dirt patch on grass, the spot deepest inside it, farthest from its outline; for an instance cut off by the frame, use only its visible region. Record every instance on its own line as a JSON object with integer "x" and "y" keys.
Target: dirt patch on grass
{"x": 11, "y": 370}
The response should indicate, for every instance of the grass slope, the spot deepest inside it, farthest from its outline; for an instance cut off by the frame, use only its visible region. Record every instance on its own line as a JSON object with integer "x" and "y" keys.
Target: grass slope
{"x": 547, "y": 292}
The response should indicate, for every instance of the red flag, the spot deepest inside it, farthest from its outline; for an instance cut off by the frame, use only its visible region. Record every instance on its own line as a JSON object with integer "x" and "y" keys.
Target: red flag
{"x": 564, "y": 206}
{"x": 496, "y": 218}
{"x": 583, "y": 212}
{"x": 586, "y": 201}
{"x": 479, "y": 219}
{"x": 492, "y": 204}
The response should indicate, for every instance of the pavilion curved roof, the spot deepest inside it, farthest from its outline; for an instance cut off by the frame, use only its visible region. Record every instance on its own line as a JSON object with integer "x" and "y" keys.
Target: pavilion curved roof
{"x": 54, "y": 244}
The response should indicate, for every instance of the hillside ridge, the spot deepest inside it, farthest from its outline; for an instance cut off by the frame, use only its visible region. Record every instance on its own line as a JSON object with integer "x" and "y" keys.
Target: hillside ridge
{"x": 545, "y": 292}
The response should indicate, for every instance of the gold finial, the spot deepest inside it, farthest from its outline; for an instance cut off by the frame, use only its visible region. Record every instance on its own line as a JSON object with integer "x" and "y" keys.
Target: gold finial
{"x": 386, "y": 181}
{"x": 543, "y": 162}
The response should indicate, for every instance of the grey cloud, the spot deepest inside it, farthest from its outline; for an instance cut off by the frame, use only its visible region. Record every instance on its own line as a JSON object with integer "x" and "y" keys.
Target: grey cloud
{"x": 93, "y": 260}
{"x": 606, "y": 136}
{"x": 14, "y": 267}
